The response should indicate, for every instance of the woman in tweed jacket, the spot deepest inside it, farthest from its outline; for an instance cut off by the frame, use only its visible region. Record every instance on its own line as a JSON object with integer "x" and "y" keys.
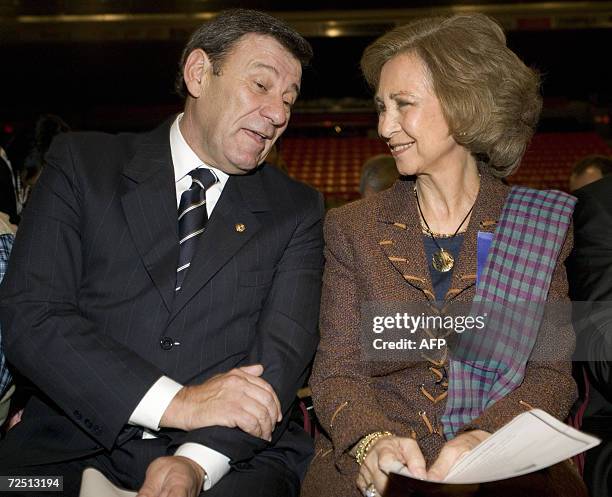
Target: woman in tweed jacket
{"x": 457, "y": 109}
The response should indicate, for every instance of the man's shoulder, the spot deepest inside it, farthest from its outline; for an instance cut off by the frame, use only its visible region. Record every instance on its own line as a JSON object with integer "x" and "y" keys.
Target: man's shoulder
{"x": 126, "y": 142}
{"x": 97, "y": 141}
{"x": 599, "y": 190}
{"x": 280, "y": 185}
{"x": 96, "y": 153}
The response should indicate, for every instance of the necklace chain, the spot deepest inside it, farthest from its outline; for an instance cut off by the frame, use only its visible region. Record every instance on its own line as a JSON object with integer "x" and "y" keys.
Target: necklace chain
{"x": 427, "y": 225}
{"x": 442, "y": 260}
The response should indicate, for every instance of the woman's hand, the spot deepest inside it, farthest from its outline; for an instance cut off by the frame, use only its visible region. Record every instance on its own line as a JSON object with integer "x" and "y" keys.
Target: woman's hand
{"x": 390, "y": 454}
{"x": 453, "y": 450}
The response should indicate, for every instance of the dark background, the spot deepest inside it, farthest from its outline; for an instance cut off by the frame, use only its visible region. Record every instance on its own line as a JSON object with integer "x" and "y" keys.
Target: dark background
{"x": 128, "y": 84}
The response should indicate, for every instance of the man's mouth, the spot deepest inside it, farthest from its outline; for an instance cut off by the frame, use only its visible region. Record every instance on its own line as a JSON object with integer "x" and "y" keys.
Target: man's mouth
{"x": 257, "y": 135}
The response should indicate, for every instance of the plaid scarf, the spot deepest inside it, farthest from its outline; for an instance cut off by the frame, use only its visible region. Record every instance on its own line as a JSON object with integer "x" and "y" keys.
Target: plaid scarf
{"x": 488, "y": 365}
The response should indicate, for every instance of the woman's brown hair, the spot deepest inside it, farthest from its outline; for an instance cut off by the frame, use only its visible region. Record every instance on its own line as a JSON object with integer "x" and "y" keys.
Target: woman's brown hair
{"x": 490, "y": 98}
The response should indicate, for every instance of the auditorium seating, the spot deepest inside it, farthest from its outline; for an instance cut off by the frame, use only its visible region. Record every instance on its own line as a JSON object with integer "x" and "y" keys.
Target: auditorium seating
{"x": 333, "y": 165}
{"x": 550, "y": 157}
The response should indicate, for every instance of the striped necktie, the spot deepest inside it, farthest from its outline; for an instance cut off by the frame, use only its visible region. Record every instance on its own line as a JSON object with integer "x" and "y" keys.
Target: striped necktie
{"x": 192, "y": 219}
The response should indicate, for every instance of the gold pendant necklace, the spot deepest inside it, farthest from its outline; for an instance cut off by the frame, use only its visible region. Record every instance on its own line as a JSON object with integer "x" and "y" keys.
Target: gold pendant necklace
{"x": 441, "y": 260}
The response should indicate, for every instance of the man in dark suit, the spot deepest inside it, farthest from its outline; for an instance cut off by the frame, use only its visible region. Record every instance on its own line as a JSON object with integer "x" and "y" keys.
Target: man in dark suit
{"x": 168, "y": 346}
{"x": 590, "y": 277}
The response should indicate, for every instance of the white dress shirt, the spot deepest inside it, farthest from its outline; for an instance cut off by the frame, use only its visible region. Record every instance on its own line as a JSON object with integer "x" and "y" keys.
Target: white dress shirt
{"x": 149, "y": 411}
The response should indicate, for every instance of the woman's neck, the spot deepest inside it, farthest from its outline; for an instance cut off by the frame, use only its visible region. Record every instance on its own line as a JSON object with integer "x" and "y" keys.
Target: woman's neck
{"x": 447, "y": 195}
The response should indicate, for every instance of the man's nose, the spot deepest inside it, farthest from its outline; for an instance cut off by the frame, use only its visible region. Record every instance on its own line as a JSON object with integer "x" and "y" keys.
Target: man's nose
{"x": 276, "y": 111}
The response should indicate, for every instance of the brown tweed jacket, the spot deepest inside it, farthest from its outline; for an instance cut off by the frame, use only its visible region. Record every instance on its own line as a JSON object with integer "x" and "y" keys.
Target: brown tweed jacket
{"x": 375, "y": 252}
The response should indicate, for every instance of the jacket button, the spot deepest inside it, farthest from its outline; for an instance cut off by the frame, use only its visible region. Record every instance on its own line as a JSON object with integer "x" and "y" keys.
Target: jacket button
{"x": 166, "y": 343}
{"x": 78, "y": 415}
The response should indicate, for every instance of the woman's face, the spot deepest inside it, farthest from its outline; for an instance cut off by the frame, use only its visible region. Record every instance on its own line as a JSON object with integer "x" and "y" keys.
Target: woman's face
{"x": 410, "y": 118}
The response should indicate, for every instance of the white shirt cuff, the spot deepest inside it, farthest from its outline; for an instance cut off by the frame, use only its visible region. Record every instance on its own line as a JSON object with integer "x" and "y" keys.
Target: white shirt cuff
{"x": 215, "y": 464}
{"x": 149, "y": 411}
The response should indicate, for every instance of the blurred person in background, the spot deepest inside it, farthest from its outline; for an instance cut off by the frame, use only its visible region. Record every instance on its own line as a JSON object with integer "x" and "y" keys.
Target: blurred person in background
{"x": 8, "y": 216}
{"x": 377, "y": 174}
{"x": 47, "y": 127}
{"x": 8, "y": 188}
{"x": 589, "y": 169}
{"x": 39, "y": 137}
{"x": 7, "y": 236}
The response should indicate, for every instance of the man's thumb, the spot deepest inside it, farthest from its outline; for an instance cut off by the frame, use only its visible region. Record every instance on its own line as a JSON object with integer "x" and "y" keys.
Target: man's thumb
{"x": 253, "y": 369}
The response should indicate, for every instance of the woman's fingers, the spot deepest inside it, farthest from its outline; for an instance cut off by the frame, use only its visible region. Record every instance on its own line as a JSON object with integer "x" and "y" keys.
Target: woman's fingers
{"x": 361, "y": 483}
{"x": 364, "y": 478}
{"x": 390, "y": 454}
{"x": 413, "y": 457}
{"x": 448, "y": 456}
{"x": 453, "y": 451}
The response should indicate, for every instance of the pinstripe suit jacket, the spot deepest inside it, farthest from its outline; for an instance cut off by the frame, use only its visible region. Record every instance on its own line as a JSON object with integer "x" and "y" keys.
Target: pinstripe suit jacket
{"x": 89, "y": 296}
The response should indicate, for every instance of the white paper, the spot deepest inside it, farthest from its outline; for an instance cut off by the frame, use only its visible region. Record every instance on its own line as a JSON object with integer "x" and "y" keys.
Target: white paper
{"x": 532, "y": 441}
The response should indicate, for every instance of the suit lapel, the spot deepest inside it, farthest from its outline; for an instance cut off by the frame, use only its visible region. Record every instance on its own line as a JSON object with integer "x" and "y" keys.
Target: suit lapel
{"x": 400, "y": 239}
{"x": 149, "y": 205}
{"x": 224, "y": 235}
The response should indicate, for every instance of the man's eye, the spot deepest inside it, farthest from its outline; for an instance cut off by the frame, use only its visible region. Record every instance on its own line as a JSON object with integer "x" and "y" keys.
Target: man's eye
{"x": 261, "y": 86}
{"x": 403, "y": 103}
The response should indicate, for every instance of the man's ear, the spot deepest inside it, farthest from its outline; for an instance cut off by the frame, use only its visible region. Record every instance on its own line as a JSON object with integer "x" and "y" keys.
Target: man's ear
{"x": 197, "y": 67}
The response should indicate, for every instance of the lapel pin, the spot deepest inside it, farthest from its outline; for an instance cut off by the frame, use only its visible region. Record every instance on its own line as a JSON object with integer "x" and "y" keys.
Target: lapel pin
{"x": 240, "y": 227}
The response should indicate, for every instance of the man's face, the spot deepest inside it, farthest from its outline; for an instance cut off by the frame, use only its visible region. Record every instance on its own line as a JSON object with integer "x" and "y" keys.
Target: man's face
{"x": 232, "y": 120}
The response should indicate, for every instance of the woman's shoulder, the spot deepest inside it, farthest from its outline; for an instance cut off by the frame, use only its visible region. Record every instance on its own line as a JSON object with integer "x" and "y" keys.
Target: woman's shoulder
{"x": 350, "y": 212}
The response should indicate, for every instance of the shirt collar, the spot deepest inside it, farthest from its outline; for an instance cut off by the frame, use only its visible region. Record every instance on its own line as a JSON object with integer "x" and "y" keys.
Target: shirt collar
{"x": 185, "y": 159}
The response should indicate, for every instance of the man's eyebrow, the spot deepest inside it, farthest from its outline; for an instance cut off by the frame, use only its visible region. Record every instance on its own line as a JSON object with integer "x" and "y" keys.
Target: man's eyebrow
{"x": 262, "y": 65}
{"x": 259, "y": 65}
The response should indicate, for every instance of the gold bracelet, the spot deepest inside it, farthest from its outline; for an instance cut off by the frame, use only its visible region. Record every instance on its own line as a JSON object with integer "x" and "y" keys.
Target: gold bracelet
{"x": 366, "y": 443}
